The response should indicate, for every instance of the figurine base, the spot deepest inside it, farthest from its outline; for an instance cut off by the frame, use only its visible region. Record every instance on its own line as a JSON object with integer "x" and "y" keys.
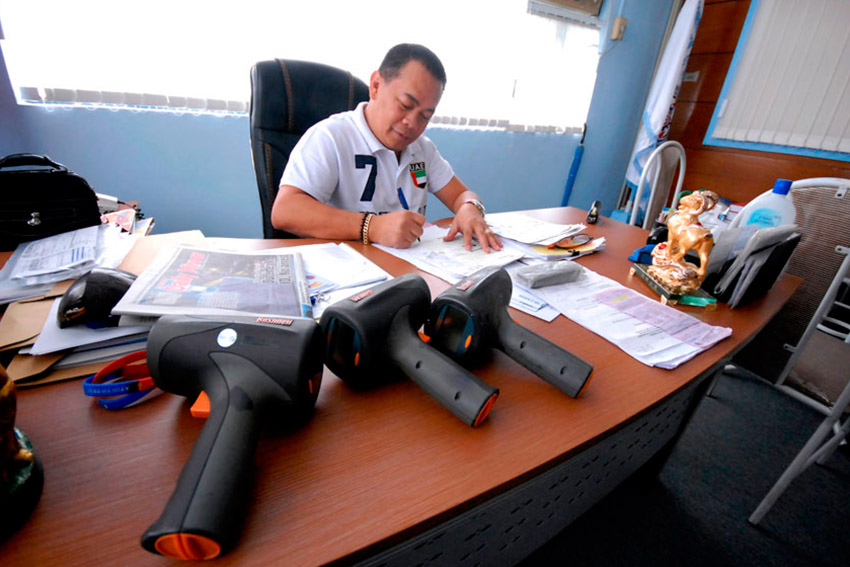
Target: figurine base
{"x": 698, "y": 299}
{"x": 21, "y": 492}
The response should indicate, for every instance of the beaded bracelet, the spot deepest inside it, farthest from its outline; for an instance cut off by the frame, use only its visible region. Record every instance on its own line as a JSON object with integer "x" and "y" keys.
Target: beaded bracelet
{"x": 364, "y": 227}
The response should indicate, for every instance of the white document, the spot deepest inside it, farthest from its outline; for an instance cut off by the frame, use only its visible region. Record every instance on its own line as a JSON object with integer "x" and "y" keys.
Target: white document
{"x": 529, "y": 230}
{"x": 27, "y": 274}
{"x": 654, "y": 334}
{"x": 105, "y": 354}
{"x": 64, "y": 251}
{"x": 450, "y": 261}
{"x": 338, "y": 266}
{"x": 53, "y": 338}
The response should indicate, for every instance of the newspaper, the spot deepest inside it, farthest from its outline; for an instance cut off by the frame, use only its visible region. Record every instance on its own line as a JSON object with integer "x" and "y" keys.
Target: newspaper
{"x": 186, "y": 280}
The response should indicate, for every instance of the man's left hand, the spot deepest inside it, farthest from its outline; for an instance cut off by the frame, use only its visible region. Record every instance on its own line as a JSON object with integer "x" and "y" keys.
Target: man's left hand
{"x": 470, "y": 222}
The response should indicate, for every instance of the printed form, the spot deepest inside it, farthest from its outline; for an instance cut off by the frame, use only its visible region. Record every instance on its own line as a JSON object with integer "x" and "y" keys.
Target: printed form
{"x": 655, "y": 334}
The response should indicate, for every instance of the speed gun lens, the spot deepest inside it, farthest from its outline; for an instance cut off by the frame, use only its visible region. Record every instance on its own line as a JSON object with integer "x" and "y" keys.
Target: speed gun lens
{"x": 343, "y": 344}
{"x": 454, "y": 328}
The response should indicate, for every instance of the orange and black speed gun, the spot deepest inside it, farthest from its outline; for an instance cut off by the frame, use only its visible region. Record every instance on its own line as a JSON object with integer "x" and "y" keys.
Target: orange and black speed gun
{"x": 249, "y": 371}
{"x": 371, "y": 332}
{"x": 473, "y": 316}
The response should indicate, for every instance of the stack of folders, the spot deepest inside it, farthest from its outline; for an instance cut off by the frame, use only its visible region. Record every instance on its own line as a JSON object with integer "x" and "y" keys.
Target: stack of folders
{"x": 751, "y": 273}
{"x": 81, "y": 345}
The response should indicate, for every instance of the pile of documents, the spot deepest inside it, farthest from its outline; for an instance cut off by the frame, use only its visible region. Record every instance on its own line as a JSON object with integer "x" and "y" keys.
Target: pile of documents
{"x": 35, "y": 266}
{"x": 653, "y": 333}
{"x": 46, "y": 353}
{"x": 32, "y": 282}
{"x": 536, "y": 238}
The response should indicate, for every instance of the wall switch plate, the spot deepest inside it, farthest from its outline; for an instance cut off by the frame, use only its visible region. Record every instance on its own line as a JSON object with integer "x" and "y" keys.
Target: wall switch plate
{"x": 618, "y": 29}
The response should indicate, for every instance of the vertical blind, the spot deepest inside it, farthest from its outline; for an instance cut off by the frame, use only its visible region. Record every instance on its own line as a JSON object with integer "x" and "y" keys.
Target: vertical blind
{"x": 788, "y": 88}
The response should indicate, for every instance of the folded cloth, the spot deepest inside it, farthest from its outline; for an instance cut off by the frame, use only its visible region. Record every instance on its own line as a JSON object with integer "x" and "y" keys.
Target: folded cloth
{"x": 642, "y": 255}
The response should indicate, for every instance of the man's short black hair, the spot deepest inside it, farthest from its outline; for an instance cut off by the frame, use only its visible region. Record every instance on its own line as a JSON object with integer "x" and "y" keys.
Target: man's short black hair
{"x": 398, "y": 56}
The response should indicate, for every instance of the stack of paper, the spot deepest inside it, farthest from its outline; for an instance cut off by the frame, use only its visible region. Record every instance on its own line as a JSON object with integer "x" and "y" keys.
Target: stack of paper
{"x": 336, "y": 272}
{"x": 529, "y": 230}
{"x": 450, "y": 261}
{"x": 82, "y": 344}
{"x": 532, "y": 237}
{"x": 35, "y": 266}
{"x": 75, "y": 351}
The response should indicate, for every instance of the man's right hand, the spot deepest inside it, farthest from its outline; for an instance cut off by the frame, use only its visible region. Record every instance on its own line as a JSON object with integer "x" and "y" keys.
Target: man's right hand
{"x": 398, "y": 229}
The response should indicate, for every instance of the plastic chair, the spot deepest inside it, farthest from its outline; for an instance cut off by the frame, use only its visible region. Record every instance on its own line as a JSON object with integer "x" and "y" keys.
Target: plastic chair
{"x": 823, "y": 218}
{"x": 662, "y": 163}
{"x": 818, "y": 448}
{"x": 287, "y": 97}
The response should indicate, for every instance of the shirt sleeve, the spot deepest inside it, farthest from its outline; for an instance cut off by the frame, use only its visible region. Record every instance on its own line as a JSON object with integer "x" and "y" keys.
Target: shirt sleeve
{"x": 313, "y": 165}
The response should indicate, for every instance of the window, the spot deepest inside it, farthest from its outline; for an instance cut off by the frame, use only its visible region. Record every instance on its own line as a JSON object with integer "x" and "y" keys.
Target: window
{"x": 788, "y": 88}
{"x": 504, "y": 65}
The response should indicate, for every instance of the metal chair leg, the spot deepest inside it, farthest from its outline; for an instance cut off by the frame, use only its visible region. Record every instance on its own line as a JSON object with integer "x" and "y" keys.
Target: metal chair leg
{"x": 814, "y": 450}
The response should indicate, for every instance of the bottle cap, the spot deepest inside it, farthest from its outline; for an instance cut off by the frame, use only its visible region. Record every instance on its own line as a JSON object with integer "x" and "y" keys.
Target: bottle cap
{"x": 782, "y": 186}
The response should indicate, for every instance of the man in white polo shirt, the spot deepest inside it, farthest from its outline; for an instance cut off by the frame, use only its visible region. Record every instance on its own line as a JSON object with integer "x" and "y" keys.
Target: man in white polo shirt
{"x": 365, "y": 174}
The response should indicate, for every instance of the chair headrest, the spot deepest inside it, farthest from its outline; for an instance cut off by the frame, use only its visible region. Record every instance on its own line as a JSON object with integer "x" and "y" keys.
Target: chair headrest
{"x": 290, "y": 96}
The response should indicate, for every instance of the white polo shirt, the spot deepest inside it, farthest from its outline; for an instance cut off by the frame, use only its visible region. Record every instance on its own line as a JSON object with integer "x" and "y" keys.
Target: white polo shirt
{"x": 340, "y": 162}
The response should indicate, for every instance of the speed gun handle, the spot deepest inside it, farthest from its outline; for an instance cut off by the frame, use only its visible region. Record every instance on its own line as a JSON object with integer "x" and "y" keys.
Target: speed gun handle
{"x": 204, "y": 516}
{"x": 473, "y": 316}
{"x": 248, "y": 370}
{"x": 378, "y": 328}
{"x": 561, "y": 368}
{"x": 457, "y": 389}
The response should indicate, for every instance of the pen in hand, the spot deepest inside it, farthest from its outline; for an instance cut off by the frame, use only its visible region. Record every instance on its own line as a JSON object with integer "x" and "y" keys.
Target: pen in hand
{"x": 402, "y": 199}
{"x": 404, "y": 205}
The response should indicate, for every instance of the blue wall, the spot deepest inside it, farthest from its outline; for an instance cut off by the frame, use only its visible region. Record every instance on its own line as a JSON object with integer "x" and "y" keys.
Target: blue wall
{"x": 196, "y": 171}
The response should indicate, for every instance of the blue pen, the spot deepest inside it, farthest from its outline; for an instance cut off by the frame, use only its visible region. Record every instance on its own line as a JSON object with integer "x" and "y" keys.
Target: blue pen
{"x": 402, "y": 199}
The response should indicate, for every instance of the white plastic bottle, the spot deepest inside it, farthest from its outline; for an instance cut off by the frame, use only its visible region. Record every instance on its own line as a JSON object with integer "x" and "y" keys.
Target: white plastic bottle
{"x": 770, "y": 209}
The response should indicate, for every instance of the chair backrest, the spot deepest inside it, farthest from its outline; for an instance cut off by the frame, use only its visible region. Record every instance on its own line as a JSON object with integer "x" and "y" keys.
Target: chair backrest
{"x": 287, "y": 98}
{"x": 823, "y": 216}
{"x": 659, "y": 169}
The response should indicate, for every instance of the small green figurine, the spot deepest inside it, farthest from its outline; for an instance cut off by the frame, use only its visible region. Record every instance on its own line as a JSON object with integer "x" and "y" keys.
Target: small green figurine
{"x": 21, "y": 477}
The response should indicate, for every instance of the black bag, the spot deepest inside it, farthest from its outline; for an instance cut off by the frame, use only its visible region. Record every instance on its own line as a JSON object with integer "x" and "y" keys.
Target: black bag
{"x": 40, "y": 198}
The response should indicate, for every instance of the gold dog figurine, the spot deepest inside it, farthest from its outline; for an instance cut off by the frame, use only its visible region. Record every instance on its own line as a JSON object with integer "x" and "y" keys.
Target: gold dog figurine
{"x": 685, "y": 233}
{"x": 11, "y": 452}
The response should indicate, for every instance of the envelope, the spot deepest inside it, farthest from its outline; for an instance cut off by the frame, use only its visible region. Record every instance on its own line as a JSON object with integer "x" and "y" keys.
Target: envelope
{"x": 22, "y": 322}
{"x": 26, "y": 371}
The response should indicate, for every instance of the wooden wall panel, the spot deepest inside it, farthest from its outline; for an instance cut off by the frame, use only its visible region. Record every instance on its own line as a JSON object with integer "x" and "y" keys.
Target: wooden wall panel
{"x": 690, "y": 124}
{"x": 710, "y": 70}
{"x": 739, "y": 175}
{"x": 720, "y": 27}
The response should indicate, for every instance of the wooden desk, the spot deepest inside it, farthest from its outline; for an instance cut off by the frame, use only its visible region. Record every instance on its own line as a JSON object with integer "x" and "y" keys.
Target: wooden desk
{"x": 387, "y": 477}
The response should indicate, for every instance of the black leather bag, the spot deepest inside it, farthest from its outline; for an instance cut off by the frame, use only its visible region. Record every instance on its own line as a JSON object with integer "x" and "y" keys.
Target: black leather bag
{"x": 40, "y": 198}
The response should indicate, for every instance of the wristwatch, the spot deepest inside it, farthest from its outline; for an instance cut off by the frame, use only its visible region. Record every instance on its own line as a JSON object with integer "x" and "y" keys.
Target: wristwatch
{"x": 478, "y": 205}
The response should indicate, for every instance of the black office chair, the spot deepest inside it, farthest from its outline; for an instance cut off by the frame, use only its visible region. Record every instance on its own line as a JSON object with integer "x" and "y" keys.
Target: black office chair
{"x": 287, "y": 97}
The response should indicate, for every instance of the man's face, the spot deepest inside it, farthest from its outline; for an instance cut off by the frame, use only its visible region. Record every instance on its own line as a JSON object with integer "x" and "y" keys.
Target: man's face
{"x": 399, "y": 109}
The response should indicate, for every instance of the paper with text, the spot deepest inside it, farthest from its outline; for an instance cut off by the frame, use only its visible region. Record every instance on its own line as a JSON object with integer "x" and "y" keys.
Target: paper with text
{"x": 655, "y": 334}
